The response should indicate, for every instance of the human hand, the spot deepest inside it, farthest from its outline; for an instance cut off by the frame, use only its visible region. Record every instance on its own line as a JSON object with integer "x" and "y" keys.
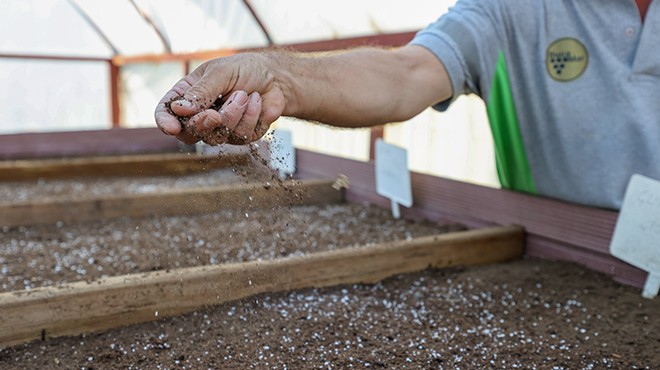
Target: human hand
{"x": 227, "y": 100}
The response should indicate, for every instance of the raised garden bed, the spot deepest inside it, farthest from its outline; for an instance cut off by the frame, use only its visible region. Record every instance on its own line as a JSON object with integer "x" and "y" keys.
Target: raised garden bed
{"x": 527, "y": 314}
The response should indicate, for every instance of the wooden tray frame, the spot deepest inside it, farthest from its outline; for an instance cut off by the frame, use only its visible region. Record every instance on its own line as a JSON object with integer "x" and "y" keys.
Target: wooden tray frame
{"x": 117, "y": 165}
{"x": 85, "y": 307}
{"x": 555, "y": 230}
{"x": 169, "y": 202}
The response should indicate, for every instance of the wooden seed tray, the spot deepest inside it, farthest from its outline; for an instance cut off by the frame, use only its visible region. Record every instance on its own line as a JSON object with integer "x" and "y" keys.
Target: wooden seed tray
{"x": 83, "y": 307}
{"x": 170, "y": 202}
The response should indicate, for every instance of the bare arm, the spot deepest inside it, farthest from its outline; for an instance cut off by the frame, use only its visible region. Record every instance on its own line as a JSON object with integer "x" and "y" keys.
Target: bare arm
{"x": 358, "y": 88}
{"x": 367, "y": 87}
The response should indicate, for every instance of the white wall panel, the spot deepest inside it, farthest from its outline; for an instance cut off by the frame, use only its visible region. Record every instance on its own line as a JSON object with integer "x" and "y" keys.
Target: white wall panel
{"x": 455, "y": 144}
{"x": 49, "y": 27}
{"x": 142, "y": 87}
{"x": 40, "y": 95}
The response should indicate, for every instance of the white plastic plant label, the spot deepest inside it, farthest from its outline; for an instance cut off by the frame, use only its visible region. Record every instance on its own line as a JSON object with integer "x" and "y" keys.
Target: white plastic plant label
{"x": 393, "y": 176}
{"x": 636, "y": 238}
{"x": 282, "y": 152}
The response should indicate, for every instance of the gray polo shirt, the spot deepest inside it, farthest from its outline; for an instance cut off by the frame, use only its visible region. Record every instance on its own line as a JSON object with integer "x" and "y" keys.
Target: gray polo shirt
{"x": 572, "y": 90}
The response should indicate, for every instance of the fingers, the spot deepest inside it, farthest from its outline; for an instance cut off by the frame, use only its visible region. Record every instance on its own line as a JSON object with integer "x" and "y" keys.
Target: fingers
{"x": 166, "y": 114}
{"x": 207, "y": 84}
{"x": 234, "y": 108}
{"x": 180, "y": 101}
{"x": 216, "y": 125}
{"x": 233, "y": 123}
{"x": 207, "y": 126}
{"x": 239, "y": 121}
{"x": 270, "y": 108}
{"x": 189, "y": 110}
{"x": 184, "y": 108}
{"x": 165, "y": 120}
{"x": 246, "y": 126}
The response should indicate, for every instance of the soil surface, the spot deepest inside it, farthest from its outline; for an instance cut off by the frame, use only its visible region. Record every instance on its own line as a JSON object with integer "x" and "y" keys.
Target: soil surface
{"x": 92, "y": 187}
{"x": 43, "y": 255}
{"x": 525, "y": 315}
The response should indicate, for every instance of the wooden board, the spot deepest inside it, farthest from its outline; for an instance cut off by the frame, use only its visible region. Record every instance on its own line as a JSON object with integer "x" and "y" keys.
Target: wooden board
{"x": 87, "y": 143}
{"x": 122, "y": 300}
{"x": 557, "y": 230}
{"x": 171, "y": 202}
{"x": 128, "y": 165}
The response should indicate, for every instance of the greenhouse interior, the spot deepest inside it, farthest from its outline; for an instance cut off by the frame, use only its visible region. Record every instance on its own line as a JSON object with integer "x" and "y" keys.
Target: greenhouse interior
{"x": 419, "y": 227}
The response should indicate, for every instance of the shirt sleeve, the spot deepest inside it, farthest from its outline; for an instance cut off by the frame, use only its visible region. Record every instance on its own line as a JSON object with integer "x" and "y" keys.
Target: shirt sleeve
{"x": 467, "y": 40}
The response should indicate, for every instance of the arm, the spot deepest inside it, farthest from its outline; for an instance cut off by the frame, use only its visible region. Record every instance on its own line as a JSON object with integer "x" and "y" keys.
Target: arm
{"x": 359, "y": 88}
{"x": 367, "y": 87}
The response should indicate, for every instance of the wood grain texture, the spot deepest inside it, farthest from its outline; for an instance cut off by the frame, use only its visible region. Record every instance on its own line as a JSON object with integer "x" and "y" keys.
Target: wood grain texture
{"x": 122, "y": 300}
{"x": 124, "y": 165}
{"x": 622, "y": 272}
{"x": 570, "y": 232}
{"x": 171, "y": 202}
{"x": 86, "y": 143}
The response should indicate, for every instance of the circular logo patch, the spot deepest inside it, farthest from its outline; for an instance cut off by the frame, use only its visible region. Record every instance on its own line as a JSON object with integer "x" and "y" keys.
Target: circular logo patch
{"x": 566, "y": 59}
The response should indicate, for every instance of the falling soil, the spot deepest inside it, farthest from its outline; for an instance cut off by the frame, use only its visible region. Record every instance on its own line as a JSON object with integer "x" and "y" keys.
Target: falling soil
{"x": 525, "y": 315}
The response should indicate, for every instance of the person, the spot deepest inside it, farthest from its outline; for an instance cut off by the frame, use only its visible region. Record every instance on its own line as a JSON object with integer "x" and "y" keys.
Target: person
{"x": 572, "y": 90}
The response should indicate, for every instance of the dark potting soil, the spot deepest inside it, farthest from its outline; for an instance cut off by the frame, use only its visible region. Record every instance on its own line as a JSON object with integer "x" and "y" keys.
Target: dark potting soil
{"x": 524, "y": 314}
{"x": 44, "y": 255}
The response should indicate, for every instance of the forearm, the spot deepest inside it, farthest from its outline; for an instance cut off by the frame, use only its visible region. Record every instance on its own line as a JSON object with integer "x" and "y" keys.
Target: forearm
{"x": 360, "y": 88}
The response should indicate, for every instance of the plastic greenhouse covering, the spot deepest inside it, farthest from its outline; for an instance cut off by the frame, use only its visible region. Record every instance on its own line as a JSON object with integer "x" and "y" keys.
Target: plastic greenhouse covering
{"x": 55, "y": 63}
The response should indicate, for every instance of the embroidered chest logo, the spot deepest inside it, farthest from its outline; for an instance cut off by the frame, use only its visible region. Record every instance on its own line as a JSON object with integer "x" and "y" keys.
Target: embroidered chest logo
{"x": 566, "y": 59}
